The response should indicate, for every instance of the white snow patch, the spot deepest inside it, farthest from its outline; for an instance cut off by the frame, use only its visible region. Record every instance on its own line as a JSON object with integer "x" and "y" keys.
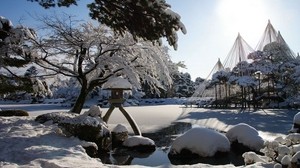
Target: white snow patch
{"x": 252, "y": 157}
{"x": 120, "y": 128}
{"x": 117, "y": 82}
{"x": 88, "y": 144}
{"x": 26, "y": 143}
{"x": 246, "y": 135}
{"x": 294, "y": 138}
{"x": 94, "y": 111}
{"x": 133, "y": 141}
{"x": 297, "y": 118}
{"x": 202, "y": 141}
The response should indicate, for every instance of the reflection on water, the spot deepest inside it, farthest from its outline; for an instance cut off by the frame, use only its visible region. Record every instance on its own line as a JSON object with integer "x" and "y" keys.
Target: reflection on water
{"x": 165, "y": 136}
{"x": 157, "y": 158}
{"x": 218, "y": 159}
{"x": 163, "y": 139}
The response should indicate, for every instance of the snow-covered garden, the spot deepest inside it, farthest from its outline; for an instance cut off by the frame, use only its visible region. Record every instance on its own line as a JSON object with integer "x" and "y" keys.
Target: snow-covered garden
{"x": 27, "y": 143}
{"x": 81, "y": 94}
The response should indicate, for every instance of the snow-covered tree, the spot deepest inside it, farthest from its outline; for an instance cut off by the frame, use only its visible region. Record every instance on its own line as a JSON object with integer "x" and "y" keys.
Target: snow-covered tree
{"x": 67, "y": 88}
{"x": 183, "y": 85}
{"x": 31, "y": 72}
{"x": 93, "y": 54}
{"x": 40, "y": 88}
{"x": 270, "y": 79}
{"x": 199, "y": 81}
{"x": 14, "y": 54}
{"x": 155, "y": 16}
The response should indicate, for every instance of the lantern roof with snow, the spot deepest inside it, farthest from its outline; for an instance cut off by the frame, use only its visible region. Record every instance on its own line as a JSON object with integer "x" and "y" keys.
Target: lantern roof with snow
{"x": 117, "y": 83}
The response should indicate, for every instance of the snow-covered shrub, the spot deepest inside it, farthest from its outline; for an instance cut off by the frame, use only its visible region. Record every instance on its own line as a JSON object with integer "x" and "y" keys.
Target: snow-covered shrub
{"x": 54, "y": 117}
{"x": 246, "y": 135}
{"x": 202, "y": 141}
{"x": 87, "y": 128}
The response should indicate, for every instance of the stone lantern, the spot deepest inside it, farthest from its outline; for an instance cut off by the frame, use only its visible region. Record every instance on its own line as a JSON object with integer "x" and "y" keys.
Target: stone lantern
{"x": 117, "y": 86}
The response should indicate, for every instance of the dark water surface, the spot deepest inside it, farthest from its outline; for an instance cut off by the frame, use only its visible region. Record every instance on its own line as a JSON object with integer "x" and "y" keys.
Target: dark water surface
{"x": 163, "y": 139}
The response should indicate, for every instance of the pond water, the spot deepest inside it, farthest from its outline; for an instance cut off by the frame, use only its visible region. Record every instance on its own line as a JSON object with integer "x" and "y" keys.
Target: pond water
{"x": 163, "y": 139}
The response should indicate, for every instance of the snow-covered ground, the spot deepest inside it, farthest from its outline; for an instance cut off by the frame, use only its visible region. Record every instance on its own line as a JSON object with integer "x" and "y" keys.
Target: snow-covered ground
{"x": 25, "y": 143}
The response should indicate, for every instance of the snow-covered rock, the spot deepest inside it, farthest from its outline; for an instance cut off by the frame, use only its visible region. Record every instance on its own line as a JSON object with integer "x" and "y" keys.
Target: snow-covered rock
{"x": 84, "y": 127}
{"x": 296, "y": 157}
{"x": 119, "y": 135}
{"x": 140, "y": 143}
{"x": 296, "y": 122}
{"x": 202, "y": 141}
{"x": 252, "y": 157}
{"x": 120, "y": 128}
{"x": 286, "y": 160}
{"x": 282, "y": 152}
{"x": 94, "y": 111}
{"x": 25, "y": 143}
{"x": 246, "y": 135}
{"x": 294, "y": 138}
{"x": 277, "y": 165}
{"x": 133, "y": 141}
{"x": 54, "y": 117}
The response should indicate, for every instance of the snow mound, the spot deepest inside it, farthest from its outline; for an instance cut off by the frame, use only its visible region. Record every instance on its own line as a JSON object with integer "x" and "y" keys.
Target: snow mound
{"x": 85, "y": 120}
{"x": 26, "y": 143}
{"x": 94, "y": 111}
{"x": 117, "y": 83}
{"x": 202, "y": 141}
{"x": 120, "y": 128}
{"x": 294, "y": 138}
{"x": 252, "y": 157}
{"x": 246, "y": 135}
{"x": 138, "y": 141}
{"x": 297, "y": 118}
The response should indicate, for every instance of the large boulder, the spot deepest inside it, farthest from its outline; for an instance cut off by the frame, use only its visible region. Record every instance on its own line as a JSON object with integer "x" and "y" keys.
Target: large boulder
{"x": 140, "y": 143}
{"x": 244, "y": 138}
{"x": 201, "y": 141}
{"x": 85, "y": 127}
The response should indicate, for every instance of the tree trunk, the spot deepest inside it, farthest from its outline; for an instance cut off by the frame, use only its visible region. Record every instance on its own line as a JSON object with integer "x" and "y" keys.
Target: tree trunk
{"x": 77, "y": 107}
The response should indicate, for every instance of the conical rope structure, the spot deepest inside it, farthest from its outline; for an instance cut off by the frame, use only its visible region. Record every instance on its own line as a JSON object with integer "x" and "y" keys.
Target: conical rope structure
{"x": 238, "y": 53}
{"x": 269, "y": 36}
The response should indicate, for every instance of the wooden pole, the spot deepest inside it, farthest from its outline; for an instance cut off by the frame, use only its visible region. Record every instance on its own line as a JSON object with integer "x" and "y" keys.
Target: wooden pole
{"x": 108, "y": 113}
{"x": 132, "y": 123}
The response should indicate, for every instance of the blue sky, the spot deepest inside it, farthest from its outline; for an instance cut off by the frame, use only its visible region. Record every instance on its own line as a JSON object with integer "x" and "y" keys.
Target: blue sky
{"x": 212, "y": 25}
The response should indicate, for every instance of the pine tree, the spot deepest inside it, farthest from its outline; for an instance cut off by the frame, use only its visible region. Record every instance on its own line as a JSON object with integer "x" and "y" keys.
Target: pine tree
{"x": 14, "y": 53}
{"x": 146, "y": 19}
